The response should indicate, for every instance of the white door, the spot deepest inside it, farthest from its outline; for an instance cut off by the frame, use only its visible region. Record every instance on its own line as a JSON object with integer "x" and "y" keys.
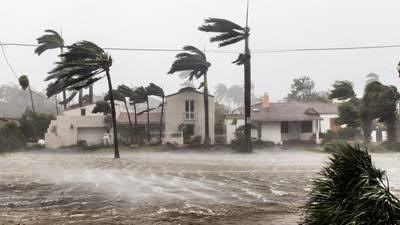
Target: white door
{"x": 294, "y": 130}
{"x": 92, "y": 135}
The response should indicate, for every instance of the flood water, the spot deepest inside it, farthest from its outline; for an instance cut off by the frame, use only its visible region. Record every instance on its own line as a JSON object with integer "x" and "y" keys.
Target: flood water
{"x": 267, "y": 187}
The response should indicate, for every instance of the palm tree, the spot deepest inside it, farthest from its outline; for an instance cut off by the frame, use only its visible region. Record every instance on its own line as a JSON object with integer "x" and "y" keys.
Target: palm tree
{"x": 231, "y": 33}
{"x": 120, "y": 96}
{"x": 84, "y": 63}
{"x": 143, "y": 94}
{"x": 136, "y": 96}
{"x": 24, "y": 83}
{"x": 195, "y": 61}
{"x": 221, "y": 93}
{"x": 102, "y": 107}
{"x": 342, "y": 90}
{"x": 155, "y": 90}
{"x": 52, "y": 40}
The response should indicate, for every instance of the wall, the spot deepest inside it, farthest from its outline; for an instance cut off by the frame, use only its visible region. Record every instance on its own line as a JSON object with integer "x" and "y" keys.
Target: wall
{"x": 174, "y": 113}
{"x": 64, "y": 130}
{"x": 325, "y": 122}
{"x": 271, "y": 131}
{"x": 119, "y": 107}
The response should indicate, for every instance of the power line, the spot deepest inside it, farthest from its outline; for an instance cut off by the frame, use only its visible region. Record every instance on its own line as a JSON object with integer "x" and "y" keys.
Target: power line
{"x": 233, "y": 51}
{"x": 12, "y": 69}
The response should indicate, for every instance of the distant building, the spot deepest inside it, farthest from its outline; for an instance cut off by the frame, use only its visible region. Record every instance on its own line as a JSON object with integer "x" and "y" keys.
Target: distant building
{"x": 285, "y": 121}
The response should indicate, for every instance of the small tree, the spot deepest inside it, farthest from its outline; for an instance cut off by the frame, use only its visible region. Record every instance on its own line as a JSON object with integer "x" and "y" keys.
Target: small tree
{"x": 11, "y": 137}
{"x": 303, "y": 90}
{"x": 102, "y": 107}
{"x": 24, "y": 83}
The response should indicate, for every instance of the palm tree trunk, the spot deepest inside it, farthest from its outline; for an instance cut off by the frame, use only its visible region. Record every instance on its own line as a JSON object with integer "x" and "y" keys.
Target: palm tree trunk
{"x": 136, "y": 137}
{"x": 64, "y": 91}
{"x": 130, "y": 122}
{"x": 247, "y": 98}
{"x": 91, "y": 94}
{"x": 113, "y": 115}
{"x": 148, "y": 121}
{"x": 55, "y": 99}
{"x": 33, "y": 106}
{"x": 80, "y": 97}
{"x": 206, "y": 113}
{"x": 367, "y": 129}
{"x": 64, "y": 98}
{"x": 161, "y": 118}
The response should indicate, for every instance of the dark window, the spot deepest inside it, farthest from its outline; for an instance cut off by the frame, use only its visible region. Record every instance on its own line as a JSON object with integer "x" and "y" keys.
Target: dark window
{"x": 306, "y": 126}
{"x": 83, "y": 112}
{"x": 189, "y": 109}
{"x": 284, "y": 127}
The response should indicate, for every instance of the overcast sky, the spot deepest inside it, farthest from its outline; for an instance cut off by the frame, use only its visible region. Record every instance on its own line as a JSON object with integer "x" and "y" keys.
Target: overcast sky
{"x": 173, "y": 23}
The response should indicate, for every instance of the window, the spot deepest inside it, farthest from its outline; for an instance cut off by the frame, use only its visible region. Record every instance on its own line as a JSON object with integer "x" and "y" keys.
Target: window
{"x": 189, "y": 109}
{"x": 83, "y": 112}
{"x": 306, "y": 126}
{"x": 284, "y": 127}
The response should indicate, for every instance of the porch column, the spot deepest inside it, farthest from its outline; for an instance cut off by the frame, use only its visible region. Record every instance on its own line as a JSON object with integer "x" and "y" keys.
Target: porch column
{"x": 317, "y": 132}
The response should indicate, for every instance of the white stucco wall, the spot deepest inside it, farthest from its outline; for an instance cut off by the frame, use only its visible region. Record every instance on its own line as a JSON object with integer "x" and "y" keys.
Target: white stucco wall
{"x": 119, "y": 107}
{"x": 325, "y": 122}
{"x": 175, "y": 109}
{"x": 230, "y": 129}
{"x": 64, "y": 131}
{"x": 271, "y": 131}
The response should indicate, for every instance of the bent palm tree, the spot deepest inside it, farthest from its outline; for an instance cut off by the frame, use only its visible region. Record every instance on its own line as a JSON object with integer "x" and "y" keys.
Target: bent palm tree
{"x": 24, "y": 83}
{"x": 195, "y": 61}
{"x": 155, "y": 90}
{"x": 342, "y": 90}
{"x": 84, "y": 63}
{"x": 231, "y": 33}
{"x": 52, "y": 40}
{"x": 135, "y": 97}
{"x": 143, "y": 94}
{"x": 120, "y": 96}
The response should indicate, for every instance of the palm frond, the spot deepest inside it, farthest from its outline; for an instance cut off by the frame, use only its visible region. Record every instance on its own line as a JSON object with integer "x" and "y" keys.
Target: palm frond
{"x": 49, "y": 41}
{"x": 219, "y": 25}
{"x": 153, "y": 89}
{"x": 342, "y": 90}
{"x": 102, "y": 107}
{"x": 118, "y": 96}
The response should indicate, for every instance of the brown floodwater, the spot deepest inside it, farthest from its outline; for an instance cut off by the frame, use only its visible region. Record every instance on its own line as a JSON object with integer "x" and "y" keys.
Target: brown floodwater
{"x": 267, "y": 187}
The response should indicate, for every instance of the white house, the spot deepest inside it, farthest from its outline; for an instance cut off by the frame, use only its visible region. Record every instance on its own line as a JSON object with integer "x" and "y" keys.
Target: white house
{"x": 184, "y": 116}
{"x": 285, "y": 121}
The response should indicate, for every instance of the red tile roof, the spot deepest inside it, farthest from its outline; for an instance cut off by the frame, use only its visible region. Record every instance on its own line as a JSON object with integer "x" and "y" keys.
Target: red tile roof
{"x": 141, "y": 119}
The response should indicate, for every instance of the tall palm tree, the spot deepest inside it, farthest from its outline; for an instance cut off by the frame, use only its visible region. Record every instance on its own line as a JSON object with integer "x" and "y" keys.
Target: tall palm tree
{"x": 102, "y": 107}
{"x": 195, "y": 61}
{"x": 221, "y": 93}
{"x": 24, "y": 83}
{"x": 231, "y": 33}
{"x": 136, "y": 96}
{"x": 120, "y": 96}
{"x": 155, "y": 90}
{"x": 84, "y": 63}
{"x": 52, "y": 40}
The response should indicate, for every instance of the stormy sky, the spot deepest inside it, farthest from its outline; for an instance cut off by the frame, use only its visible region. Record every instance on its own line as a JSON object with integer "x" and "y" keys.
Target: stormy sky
{"x": 172, "y": 24}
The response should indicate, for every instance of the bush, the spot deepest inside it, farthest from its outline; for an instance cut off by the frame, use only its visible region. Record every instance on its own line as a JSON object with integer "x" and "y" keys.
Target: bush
{"x": 334, "y": 146}
{"x": 11, "y": 137}
{"x": 351, "y": 190}
{"x": 346, "y": 133}
{"x": 34, "y": 125}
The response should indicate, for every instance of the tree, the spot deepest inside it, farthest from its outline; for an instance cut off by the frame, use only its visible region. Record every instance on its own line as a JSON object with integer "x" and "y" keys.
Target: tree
{"x": 34, "y": 125}
{"x": 231, "y": 33}
{"x": 369, "y": 109}
{"x": 24, "y": 83}
{"x": 349, "y": 113}
{"x": 51, "y": 40}
{"x": 142, "y": 93}
{"x": 195, "y": 61}
{"x": 102, "y": 107}
{"x": 119, "y": 96}
{"x": 155, "y": 90}
{"x": 351, "y": 190}
{"x": 136, "y": 96}
{"x": 84, "y": 63}
{"x": 371, "y": 77}
{"x": 342, "y": 90}
{"x": 303, "y": 90}
{"x": 11, "y": 137}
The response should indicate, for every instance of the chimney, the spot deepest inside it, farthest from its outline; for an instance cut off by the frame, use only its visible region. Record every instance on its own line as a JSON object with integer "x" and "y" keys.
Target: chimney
{"x": 265, "y": 101}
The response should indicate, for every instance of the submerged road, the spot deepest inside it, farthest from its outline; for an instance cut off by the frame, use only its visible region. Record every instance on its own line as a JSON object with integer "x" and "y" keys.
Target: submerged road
{"x": 267, "y": 187}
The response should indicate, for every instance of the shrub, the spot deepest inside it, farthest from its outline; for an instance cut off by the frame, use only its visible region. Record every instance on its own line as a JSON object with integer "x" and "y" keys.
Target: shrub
{"x": 11, "y": 137}
{"x": 346, "y": 133}
{"x": 351, "y": 190}
{"x": 34, "y": 125}
{"x": 334, "y": 146}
